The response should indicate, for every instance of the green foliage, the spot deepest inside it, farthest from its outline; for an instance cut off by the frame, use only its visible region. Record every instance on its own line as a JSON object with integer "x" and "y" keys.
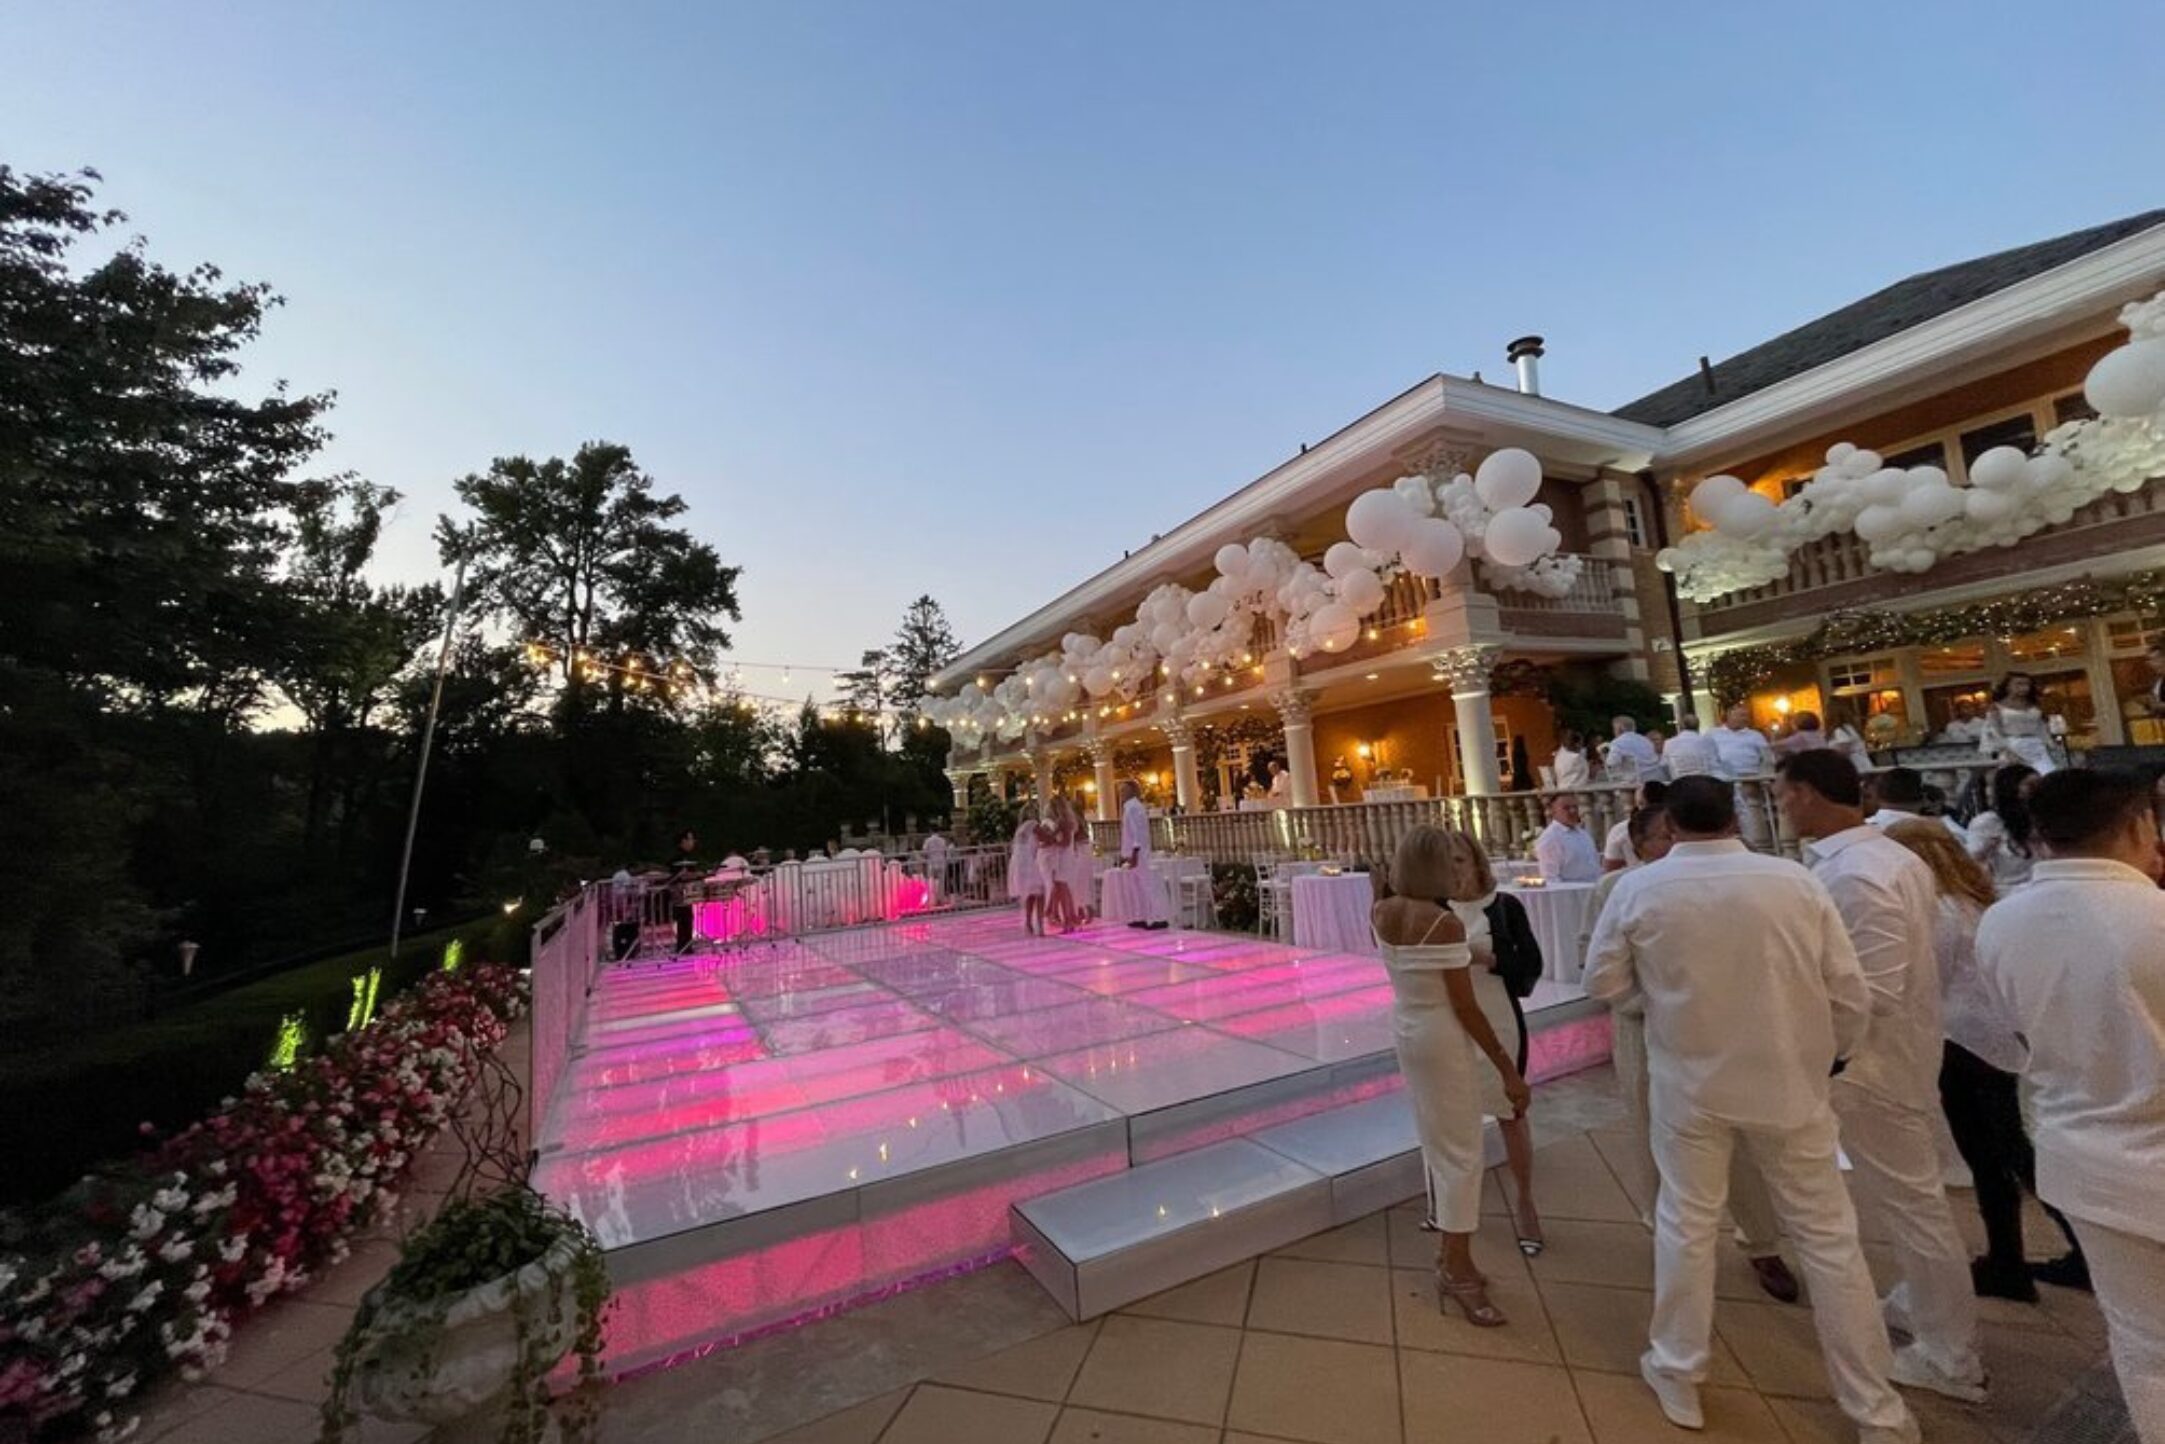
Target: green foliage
{"x": 472, "y": 1243}
{"x": 993, "y": 819}
{"x": 1587, "y": 704}
{"x": 1233, "y": 896}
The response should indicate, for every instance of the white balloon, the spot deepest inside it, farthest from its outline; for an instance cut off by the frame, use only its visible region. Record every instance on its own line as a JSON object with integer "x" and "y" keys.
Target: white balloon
{"x": 1929, "y": 505}
{"x": 1987, "y": 508}
{"x": 1098, "y": 681}
{"x": 1543, "y": 510}
{"x": 1665, "y": 559}
{"x": 1876, "y": 524}
{"x": 1840, "y": 452}
{"x": 1507, "y": 478}
{"x": 1862, "y": 462}
{"x": 2129, "y": 381}
{"x": 1886, "y": 486}
{"x": 2047, "y": 471}
{"x": 1164, "y": 636}
{"x": 1232, "y": 560}
{"x": 1343, "y": 559}
{"x": 1928, "y": 476}
{"x": 2000, "y": 469}
{"x": 1435, "y": 547}
{"x": 1744, "y": 517}
{"x": 1708, "y": 497}
{"x": 1334, "y": 627}
{"x": 1415, "y": 493}
{"x": 1361, "y": 590}
{"x": 1377, "y": 519}
{"x": 1208, "y": 609}
{"x": 1514, "y": 537}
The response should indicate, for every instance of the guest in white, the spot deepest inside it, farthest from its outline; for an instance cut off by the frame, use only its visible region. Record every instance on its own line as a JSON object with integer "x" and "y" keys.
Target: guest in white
{"x": 1804, "y": 735}
{"x": 2015, "y": 724}
{"x": 935, "y": 851}
{"x": 1281, "y": 782}
{"x": 2000, "y": 838}
{"x": 1898, "y": 796}
{"x": 1690, "y": 753}
{"x": 1564, "y": 849}
{"x": 1745, "y": 752}
{"x": 1135, "y": 854}
{"x": 1024, "y": 882}
{"x": 1571, "y": 766}
{"x": 1630, "y": 758}
{"x": 1888, "y": 1099}
{"x": 1843, "y": 736}
{"x": 2078, "y": 958}
{"x": 1618, "y": 850}
{"x": 1442, "y": 1035}
{"x": 1758, "y": 1231}
{"x": 1964, "y": 727}
{"x": 1740, "y": 1042}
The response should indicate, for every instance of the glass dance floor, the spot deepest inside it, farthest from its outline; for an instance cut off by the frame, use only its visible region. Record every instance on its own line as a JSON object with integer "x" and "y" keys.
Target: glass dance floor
{"x": 789, "y": 1125}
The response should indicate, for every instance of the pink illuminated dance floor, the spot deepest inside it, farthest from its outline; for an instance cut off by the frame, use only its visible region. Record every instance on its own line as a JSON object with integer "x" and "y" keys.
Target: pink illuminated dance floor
{"x": 795, "y": 1126}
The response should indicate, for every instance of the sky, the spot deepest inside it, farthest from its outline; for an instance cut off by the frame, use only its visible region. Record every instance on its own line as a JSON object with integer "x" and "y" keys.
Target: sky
{"x": 968, "y": 297}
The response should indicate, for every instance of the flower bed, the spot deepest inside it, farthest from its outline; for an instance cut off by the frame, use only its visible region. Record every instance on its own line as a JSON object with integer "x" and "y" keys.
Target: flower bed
{"x": 141, "y": 1270}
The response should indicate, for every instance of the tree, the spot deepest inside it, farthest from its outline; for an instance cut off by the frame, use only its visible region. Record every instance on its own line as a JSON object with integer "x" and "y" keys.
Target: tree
{"x": 924, "y": 643}
{"x": 867, "y": 690}
{"x": 581, "y": 555}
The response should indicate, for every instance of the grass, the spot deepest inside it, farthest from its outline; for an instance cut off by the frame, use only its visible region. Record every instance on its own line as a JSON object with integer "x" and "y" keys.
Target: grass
{"x": 67, "y": 1105}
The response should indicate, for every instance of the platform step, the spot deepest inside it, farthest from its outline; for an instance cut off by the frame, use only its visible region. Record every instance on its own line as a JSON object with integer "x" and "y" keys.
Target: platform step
{"x": 1105, "y": 1244}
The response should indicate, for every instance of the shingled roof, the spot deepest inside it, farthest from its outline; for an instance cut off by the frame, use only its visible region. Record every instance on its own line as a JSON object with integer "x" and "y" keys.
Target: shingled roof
{"x": 1878, "y": 316}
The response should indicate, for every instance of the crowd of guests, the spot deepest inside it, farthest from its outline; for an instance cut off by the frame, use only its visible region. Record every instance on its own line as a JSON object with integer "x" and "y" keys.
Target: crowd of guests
{"x": 1775, "y": 1018}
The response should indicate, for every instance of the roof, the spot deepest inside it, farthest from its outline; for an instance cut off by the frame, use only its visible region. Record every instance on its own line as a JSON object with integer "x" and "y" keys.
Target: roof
{"x": 1878, "y": 316}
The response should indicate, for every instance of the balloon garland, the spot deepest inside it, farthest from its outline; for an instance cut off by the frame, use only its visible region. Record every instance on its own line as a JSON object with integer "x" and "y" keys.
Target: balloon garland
{"x": 1911, "y": 518}
{"x": 1412, "y": 527}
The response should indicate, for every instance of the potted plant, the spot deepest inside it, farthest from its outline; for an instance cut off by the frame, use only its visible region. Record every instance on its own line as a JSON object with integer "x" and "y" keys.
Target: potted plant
{"x": 483, "y": 1304}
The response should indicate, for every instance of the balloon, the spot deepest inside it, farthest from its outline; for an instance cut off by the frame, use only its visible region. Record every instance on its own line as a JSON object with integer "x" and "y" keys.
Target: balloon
{"x": 1886, "y": 486}
{"x": 1709, "y": 495}
{"x": 1098, "y": 681}
{"x": 1207, "y": 609}
{"x": 1507, "y": 478}
{"x": 1164, "y": 636}
{"x": 1514, "y": 537}
{"x": 1377, "y": 519}
{"x": 1435, "y": 547}
{"x": 1343, "y": 559}
{"x": 2000, "y": 469}
{"x": 1232, "y": 559}
{"x": 1414, "y": 492}
{"x": 1876, "y": 524}
{"x": 2129, "y": 381}
{"x": 2044, "y": 473}
{"x": 1929, "y": 505}
{"x": 1334, "y": 627}
{"x": 1862, "y": 463}
{"x": 1987, "y": 507}
{"x": 1665, "y": 559}
{"x": 1744, "y": 517}
{"x": 1362, "y": 591}
{"x": 1543, "y": 510}
{"x": 1840, "y": 452}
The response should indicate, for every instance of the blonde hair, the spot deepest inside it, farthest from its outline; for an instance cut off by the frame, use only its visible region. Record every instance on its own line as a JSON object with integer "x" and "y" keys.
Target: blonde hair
{"x": 1954, "y": 872}
{"x": 1421, "y": 866}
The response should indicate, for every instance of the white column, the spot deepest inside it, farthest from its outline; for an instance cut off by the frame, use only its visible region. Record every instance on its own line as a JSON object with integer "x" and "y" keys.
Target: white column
{"x": 1187, "y": 787}
{"x": 1466, "y": 669}
{"x": 1101, "y": 764}
{"x": 1041, "y": 774}
{"x": 959, "y": 779}
{"x": 1300, "y": 745}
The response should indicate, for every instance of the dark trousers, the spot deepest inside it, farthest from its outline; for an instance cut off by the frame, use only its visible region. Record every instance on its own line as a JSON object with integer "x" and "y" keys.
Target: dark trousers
{"x": 1984, "y": 1112}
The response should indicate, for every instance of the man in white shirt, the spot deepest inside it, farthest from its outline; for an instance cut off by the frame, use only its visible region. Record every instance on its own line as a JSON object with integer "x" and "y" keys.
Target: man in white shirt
{"x": 1281, "y": 781}
{"x": 1740, "y": 1041}
{"x": 1965, "y": 727}
{"x": 1617, "y": 849}
{"x": 1631, "y": 758}
{"x": 1743, "y": 751}
{"x": 1888, "y": 1098}
{"x": 1564, "y": 850}
{"x": 1690, "y": 753}
{"x": 1135, "y": 853}
{"x": 2078, "y": 958}
{"x": 1898, "y": 796}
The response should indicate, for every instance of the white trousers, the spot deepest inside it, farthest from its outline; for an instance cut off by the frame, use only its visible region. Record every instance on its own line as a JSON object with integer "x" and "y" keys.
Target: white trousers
{"x": 2128, "y": 1272}
{"x": 1894, "y": 1172}
{"x": 1805, "y": 1179}
{"x": 1758, "y": 1233}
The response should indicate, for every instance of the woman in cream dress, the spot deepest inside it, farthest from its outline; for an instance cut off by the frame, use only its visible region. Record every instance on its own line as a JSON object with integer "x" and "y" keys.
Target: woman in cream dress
{"x": 1024, "y": 882}
{"x": 1081, "y": 863}
{"x": 1443, "y": 1037}
{"x": 2015, "y": 725}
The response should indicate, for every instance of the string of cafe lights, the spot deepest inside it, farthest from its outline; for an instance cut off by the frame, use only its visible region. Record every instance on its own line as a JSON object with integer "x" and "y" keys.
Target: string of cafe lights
{"x": 645, "y": 673}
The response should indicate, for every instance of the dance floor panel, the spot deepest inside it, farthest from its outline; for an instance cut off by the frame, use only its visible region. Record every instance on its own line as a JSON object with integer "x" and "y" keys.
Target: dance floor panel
{"x": 761, "y": 1134}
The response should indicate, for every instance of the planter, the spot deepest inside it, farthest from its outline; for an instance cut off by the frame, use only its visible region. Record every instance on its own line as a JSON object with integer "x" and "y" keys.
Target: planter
{"x": 412, "y": 1369}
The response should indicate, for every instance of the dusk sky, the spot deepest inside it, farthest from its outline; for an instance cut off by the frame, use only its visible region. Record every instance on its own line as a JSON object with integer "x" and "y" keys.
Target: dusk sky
{"x": 967, "y": 298}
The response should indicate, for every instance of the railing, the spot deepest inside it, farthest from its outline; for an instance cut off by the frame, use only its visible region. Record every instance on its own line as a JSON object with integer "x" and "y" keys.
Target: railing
{"x": 1594, "y": 591}
{"x": 567, "y": 954}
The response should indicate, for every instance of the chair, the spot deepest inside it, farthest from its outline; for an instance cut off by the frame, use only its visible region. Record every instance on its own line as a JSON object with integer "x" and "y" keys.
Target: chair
{"x": 1269, "y": 896}
{"x": 1197, "y": 902}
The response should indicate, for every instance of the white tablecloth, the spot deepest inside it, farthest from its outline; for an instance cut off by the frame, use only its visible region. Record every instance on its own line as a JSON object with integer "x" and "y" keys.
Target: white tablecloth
{"x": 1395, "y": 792}
{"x": 1557, "y": 911}
{"x": 1123, "y": 895}
{"x": 1331, "y": 913}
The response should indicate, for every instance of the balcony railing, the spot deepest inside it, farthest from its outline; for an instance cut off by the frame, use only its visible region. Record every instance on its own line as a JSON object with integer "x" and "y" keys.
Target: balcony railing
{"x": 1594, "y": 591}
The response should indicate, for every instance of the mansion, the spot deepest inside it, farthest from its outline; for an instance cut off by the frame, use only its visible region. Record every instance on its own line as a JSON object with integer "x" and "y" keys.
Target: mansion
{"x": 1454, "y": 686}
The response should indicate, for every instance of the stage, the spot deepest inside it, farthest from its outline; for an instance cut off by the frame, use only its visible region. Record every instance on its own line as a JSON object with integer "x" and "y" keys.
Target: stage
{"x": 802, "y": 1124}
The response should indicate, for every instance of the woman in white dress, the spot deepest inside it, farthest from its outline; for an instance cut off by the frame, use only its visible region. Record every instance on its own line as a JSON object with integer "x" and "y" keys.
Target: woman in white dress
{"x": 1024, "y": 882}
{"x": 2015, "y": 726}
{"x": 1055, "y": 844}
{"x": 1440, "y": 1028}
{"x": 2000, "y": 838}
{"x": 1572, "y": 768}
{"x": 1081, "y": 863}
{"x": 1843, "y": 736}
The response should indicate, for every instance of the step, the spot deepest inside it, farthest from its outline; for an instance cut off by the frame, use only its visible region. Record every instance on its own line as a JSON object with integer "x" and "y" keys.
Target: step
{"x": 1105, "y": 1244}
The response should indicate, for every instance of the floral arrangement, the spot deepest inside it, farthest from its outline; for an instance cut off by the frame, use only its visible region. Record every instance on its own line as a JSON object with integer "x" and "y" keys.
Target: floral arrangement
{"x": 142, "y": 1270}
{"x": 1912, "y": 517}
{"x": 1233, "y": 896}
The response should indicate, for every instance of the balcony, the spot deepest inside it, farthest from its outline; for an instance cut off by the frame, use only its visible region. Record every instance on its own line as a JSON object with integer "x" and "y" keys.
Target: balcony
{"x": 1835, "y": 573}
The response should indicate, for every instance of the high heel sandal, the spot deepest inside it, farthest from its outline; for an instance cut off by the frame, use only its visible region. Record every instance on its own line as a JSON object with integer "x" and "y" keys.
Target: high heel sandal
{"x": 1530, "y": 1244}
{"x": 1470, "y": 1295}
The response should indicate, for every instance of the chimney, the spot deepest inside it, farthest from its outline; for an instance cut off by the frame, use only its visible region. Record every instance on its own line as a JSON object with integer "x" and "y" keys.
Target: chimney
{"x": 1525, "y": 353}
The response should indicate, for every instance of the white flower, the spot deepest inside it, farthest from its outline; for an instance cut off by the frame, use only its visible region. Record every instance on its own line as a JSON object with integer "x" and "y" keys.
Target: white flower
{"x": 147, "y": 1297}
{"x": 144, "y": 1221}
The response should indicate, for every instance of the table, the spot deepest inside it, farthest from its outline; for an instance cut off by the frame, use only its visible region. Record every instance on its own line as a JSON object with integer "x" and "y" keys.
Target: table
{"x": 1558, "y": 912}
{"x": 1330, "y": 912}
{"x": 1124, "y": 894}
{"x": 1395, "y": 792}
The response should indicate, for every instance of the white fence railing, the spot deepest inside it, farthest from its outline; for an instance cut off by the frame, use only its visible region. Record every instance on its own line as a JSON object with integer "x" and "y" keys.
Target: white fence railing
{"x": 567, "y": 954}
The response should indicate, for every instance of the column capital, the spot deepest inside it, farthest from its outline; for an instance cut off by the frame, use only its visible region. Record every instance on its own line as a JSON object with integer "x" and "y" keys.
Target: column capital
{"x": 1293, "y": 704}
{"x": 1178, "y": 731}
{"x": 1466, "y": 669}
{"x": 1099, "y": 748}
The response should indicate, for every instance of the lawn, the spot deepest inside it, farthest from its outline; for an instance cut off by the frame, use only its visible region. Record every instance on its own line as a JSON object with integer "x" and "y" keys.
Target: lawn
{"x": 65, "y": 1106}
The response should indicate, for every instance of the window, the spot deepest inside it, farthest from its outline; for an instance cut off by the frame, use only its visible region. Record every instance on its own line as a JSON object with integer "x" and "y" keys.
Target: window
{"x": 1634, "y": 531}
{"x": 2072, "y": 407}
{"x": 2132, "y": 634}
{"x": 1965, "y": 658}
{"x": 2051, "y": 644}
{"x": 1932, "y": 453}
{"x": 1849, "y": 676}
{"x": 1794, "y": 485}
{"x": 2019, "y": 432}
